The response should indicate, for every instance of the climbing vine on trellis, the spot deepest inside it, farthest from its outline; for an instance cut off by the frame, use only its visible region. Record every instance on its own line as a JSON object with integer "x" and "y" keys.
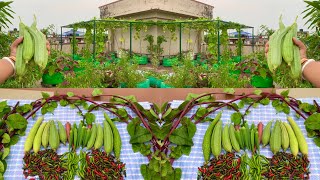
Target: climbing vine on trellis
{"x": 88, "y": 39}
{"x": 240, "y": 43}
{"x": 225, "y": 44}
{"x": 210, "y": 27}
{"x": 100, "y": 38}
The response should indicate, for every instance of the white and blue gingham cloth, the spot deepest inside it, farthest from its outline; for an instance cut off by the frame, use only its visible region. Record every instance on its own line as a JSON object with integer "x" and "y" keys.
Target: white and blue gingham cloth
{"x": 188, "y": 164}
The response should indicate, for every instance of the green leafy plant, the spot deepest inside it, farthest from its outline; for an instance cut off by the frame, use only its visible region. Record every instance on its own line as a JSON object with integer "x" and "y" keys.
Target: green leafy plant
{"x": 5, "y": 43}
{"x": 266, "y": 31}
{"x": 312, "y": 14}
{"x": 221, "y": 77}
{"x": 5, "y": 14}
{"x": 12, "y": 126}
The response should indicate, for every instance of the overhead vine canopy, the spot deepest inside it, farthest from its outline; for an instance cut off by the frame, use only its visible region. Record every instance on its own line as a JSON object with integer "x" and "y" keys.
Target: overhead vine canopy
{"x": 201, "y": 23}
{"x": 216, "y": 30}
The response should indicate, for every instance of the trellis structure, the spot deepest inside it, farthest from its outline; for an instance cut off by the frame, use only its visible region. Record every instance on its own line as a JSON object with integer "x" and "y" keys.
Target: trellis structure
{"x": 212, "y": 27}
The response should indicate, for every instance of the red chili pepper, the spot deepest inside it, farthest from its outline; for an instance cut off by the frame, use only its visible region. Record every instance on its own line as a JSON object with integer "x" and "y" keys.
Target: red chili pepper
{"x": 87, "y": 158}
{"x": 210, "y": 168}
{"x": 228, "y": 177}
{"x": 98, "y": 173}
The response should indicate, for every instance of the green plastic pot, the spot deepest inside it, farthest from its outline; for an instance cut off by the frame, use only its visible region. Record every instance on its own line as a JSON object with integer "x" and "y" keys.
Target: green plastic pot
{"x": 170, "y": 62}
{"x": 158, "y": 83}
{"x": 153, "y": 81}
{"x": 165, "y": 86}
{"x": 55, "y": 79}
{"x": 145, "y": 84}
{"x": 260, "y": 82}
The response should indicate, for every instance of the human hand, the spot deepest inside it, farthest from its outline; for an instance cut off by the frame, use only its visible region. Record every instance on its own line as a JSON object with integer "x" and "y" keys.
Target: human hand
{"x": 14, "y": 46}
{"x": 17, "y": 42}
{"x": 302, "y": 47}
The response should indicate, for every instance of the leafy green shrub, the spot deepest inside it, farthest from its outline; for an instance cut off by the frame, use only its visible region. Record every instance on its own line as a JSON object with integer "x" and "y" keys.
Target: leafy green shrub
{"x": 221, "y": 78}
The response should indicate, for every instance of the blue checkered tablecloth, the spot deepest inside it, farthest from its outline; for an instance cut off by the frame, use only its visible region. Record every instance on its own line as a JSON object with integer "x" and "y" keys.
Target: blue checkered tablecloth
{"x": 189, "y": 164}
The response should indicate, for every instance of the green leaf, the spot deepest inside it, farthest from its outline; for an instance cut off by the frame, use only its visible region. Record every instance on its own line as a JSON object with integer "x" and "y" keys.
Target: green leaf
{"x": 145, "y": 149}
{"x": 286, "y": 110}
{"x": 141, "y": 135}
{"x": 307, "y": 107}
{"x": 63, "y": 103}
{"x": 45, "y": 95}
{"x": 186, "y": 150}
{"x": 131, "y": 128}
{"x": 236, "y": 118}
{"x": 176, "y": 152}
{"x": 311, "y": 133}
{"x": 70, "y": 94}
{"x": 3, "y": 105}
{"x": 313, "y": 122}
{"x": 145, "y": 172}
{"x": 275, "y": 103}
{"x": 229, "y": 90}
{"x": 257, "y": 92}
{"x": 191, "y": 96}
{"x": 183, "y": 105}
{"x": 25, "y": 108}
{"x": 6, "y": 152}
{"x": 14, "y": 140}
{"x": 317, "y": 141}
{"x": 164, "y": 130}
{"x": 90, "y": 118}
{"x": 191, "y": 127}
{"x": 285, "y": 93}
{"x": 97, "y": 92}
{"x": 122, "y": 112}
{"x": 255, "y": 105}
{"x": 201, "y": 111}
{"x": 16, "y": 121}
{"x": 180, "y": 137}
{"x": 5, "y": 138}
{"x": 136, "y": 147}
{"x": 164, "y": 107}
{"x": 177, "y": 174}
{"x": 241, "y": 104}
{"x": 265, "y": 101}
{"x": 1, "y": 167}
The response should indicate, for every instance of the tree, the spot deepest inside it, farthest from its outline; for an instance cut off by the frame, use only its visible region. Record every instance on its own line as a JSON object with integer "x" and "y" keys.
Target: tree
{"x": 266, "y": 31}
{"x": 5, "y": 14}
{"x": 312, "y": 13}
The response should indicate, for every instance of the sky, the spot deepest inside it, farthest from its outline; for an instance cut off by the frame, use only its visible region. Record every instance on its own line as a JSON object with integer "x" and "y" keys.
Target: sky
{"x": 249, "y": 12}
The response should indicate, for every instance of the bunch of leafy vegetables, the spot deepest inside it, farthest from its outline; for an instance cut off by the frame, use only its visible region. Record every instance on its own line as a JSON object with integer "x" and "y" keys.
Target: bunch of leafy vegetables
{"x": 313, "y": 127}
{"x": 12, "y": 126}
